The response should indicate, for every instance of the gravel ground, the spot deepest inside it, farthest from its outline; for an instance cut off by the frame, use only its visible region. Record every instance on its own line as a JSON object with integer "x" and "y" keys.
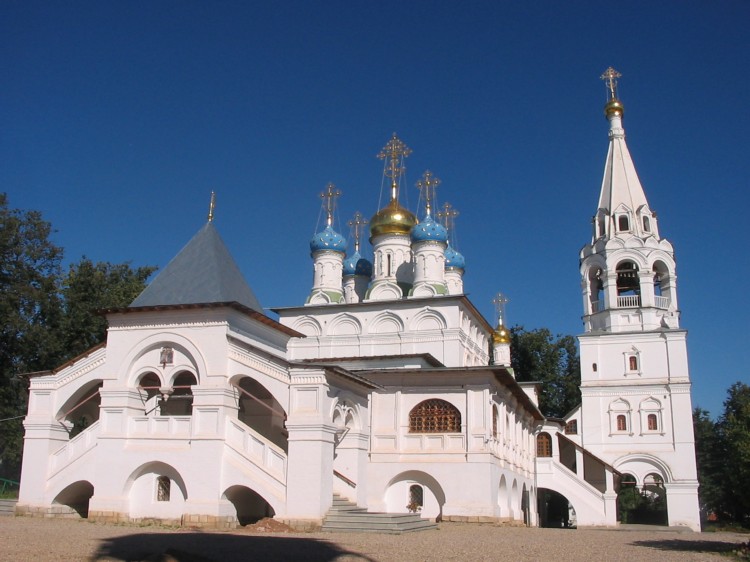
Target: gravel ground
{"x": 40, "y": 540}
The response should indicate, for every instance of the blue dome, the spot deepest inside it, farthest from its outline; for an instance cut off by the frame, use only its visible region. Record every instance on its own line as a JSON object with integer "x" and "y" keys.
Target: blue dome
{"x": 454, "y": 260}
{"x": 357, "y": 265}
{"x": 428, "y": 229}
{"x": 329, "y": 239}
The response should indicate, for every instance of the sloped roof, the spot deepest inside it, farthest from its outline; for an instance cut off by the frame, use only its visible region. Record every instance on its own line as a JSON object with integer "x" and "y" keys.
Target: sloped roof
{"x": 203, "y": 272}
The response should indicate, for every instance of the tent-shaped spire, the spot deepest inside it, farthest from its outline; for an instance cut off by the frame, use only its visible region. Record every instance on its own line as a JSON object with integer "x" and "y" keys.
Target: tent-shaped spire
{"x": 203, "y": 272}
{"x": 623, "y": 208}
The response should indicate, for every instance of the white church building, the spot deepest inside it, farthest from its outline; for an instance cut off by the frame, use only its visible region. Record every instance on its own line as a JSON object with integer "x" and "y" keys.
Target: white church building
{"x": 386, "y": 389}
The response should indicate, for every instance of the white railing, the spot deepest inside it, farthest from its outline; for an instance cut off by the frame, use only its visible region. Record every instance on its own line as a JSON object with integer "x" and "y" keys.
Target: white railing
{"x": 629, "y": 301}
{"x": 257, "y": 449}
{"x": 163, "y": 426}
{"x": 75, "y": 448}
{"x": 661, "y": 302}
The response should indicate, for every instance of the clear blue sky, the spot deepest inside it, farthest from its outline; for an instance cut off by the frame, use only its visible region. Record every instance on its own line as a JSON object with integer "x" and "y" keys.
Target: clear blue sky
{"x": 117, "y": 119}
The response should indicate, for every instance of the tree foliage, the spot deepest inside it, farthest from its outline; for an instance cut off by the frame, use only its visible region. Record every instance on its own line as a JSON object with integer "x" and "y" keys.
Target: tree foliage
{"x": 537, "y": 355}
{"x": 723, "y": 457}
{"x": 46, "y": 317}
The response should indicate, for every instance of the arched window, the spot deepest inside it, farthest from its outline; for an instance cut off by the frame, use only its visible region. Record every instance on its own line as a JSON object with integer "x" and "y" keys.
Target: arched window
{"x": 494, "y": 422}
{"x": 571, "y": 428}
{"x": 633, "y": 363}
{"x": 627, "y": 280}
{"x": 434, "y": 416}
{"x": 653, "y": 422}
{"x": 180, "y": 402}
{"x": 416, "y": 498}
{"x": 622, "y": 422}
{"x": 646, "y": 224}
{"x": 163, "y": 486}
{"x": 623, "y": 224}
{"x": 543, "y": 445}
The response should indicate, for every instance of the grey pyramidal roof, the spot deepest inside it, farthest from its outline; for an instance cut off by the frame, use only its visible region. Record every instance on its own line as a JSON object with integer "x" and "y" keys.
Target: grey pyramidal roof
{"x": 203, "y": 272}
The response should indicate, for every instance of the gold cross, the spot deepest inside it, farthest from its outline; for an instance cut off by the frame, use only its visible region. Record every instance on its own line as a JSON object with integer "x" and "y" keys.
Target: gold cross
{"x": 330, "y": 195}
{"x": 427, "y": 186}
{"x": 448, "y": 216}
{"x": 500, "y": 301}
{"x": 357, "y": 224}
{"x": 610, "y": 77}
{"x": 394, "y": 153}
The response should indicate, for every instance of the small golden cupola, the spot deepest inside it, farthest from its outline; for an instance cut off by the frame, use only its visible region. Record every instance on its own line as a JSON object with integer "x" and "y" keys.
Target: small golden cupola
{"x": 393, "y": 218}
{"x": 614, "y": 105}
{"x": 501, "y": 335}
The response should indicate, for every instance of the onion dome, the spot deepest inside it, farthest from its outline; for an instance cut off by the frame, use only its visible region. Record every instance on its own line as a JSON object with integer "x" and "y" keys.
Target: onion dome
{"x": 393, "y": 219}
{"x": 429, "y": 229}
{"x": 614, "y": 107}
{"x": 328, "y": 239}
{"x": 357, "y": 265}
{"x": 453, "y": 259}
{"x": 501, "y": 335}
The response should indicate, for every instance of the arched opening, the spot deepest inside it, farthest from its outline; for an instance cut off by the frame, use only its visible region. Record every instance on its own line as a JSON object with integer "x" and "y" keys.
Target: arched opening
{"x": 76, "y": 496}
{"x": 495, "y": 418}
{"x": 398, "y": 494}
{"x": 543, "y": 445}
{"x": 555, "y": 510}
{"x": 623, "y": 223}
{"x": 628, "y": 284}
{"x": 260, "y": 411}
{"x": 250, "y": 506}
{"x": 148, "y": 386}
{"x": 81, "y": 410}
{"x": 503, "y": 500}
{"x": 416, "y": 498}
{"x": 645, "y": 506}
{"x": 156, "y": 490}
{"x": 596, "y": 289}
{"x": 646, "y": 224}
{"x": 662, "y": 285}
{"x": 434, "y": 416}
{"x": 180, "y": 402}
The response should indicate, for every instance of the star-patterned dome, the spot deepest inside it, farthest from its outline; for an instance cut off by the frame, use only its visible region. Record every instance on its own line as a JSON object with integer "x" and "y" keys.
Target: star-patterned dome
{"x": 453, "y": 259}
{"x": 429, "y": 229}
{"x": 328, "y": 239}
{"x": 357, "y": 265}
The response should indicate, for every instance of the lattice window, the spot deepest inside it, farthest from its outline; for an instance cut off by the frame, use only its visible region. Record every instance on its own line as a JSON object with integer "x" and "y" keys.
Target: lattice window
{"x": 653, "y": 423}
{"x": 163, "y": 485}
{"x": 571, "y": 428}
{"x": 543, "y": 445}
{"x": 622, "y": 423}
{"x": 434, "y": 416}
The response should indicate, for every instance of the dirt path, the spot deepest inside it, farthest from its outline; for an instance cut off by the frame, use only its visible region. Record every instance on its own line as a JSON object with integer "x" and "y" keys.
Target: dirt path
{"x": 40, "y": 540}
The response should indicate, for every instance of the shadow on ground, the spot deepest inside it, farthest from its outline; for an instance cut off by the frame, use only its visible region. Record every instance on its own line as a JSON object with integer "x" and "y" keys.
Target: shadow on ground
{"x": 718, "y": 547}
{"x": 217, "y": 547}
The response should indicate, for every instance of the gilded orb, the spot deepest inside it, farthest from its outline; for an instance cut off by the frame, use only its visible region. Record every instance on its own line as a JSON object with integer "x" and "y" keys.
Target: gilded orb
{"x": 614, "y": 106}
{"x": 393, "y": 219}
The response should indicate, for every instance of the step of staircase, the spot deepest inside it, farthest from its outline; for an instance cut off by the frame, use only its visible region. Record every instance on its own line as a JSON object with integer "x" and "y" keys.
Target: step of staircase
{"x": 8, "y": 507}
{"x": 345, "y": 517}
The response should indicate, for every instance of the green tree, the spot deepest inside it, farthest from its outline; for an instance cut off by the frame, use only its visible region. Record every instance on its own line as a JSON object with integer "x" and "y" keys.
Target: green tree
{"x": 709, "y": 464}
{"x": 89, "y": 287}
{"x": 734, "y": 453}
{"x": 537, "y": 355}
{"x": 47, "y": 318}
{"x": 29, "y": 314}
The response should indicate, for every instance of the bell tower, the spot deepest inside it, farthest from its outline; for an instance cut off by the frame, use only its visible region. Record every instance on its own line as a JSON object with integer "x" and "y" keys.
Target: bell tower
{"x": 636, "y": 412}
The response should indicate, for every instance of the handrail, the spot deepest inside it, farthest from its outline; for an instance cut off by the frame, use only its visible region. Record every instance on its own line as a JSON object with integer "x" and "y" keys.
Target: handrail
{"x": 6, "y": 483}
{"x": 345, "y": 479}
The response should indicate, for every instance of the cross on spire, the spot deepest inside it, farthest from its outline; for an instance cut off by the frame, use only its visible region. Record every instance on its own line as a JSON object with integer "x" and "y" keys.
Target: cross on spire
{"x": 500, "y": 301}
{"x": 329, "y": 196}
{"x": 427, "y": 186}
{"x": 610, "y": 77}
{"x": 448, "y": 216}
{"x": 357, "y": 224}
{"x": 394, "y": 153}
{"x": 212, "y": 207}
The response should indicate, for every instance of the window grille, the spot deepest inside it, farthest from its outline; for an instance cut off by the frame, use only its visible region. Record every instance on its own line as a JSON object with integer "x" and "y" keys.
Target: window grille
{"x": 434, "y": 416}
{"x": 571, "y": 428}
{"x": 622, "y": 423}
{"x": 543, "y": 445}
{"x": 163, "y": 485}
{"x": 653, "y": 424}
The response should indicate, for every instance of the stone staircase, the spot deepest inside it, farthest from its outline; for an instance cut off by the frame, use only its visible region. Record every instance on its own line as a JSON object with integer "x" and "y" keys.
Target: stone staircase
{"x": 345, "y": 517}
{"x": 8, "y": 507}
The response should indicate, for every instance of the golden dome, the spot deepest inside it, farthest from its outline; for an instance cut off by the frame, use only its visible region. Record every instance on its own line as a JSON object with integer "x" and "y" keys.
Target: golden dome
{"x": 614, "y": 106}
{"x": 501, "y": 335}
{"x": 393, "y": 219}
